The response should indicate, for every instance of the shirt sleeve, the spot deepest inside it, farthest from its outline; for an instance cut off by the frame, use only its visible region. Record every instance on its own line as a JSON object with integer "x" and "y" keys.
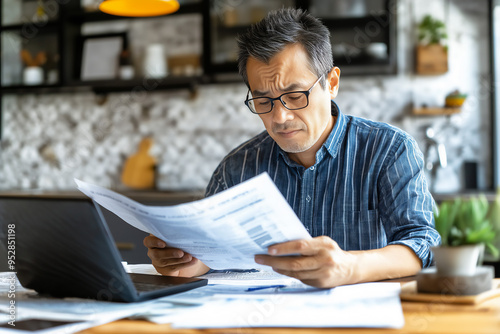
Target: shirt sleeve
{"x": 219, "y": 180}
{"x": 406, "y": 203}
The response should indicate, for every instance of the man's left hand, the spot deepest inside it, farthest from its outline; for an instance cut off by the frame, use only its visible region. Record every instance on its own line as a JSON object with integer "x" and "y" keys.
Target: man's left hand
{"x": 318, "y": 262}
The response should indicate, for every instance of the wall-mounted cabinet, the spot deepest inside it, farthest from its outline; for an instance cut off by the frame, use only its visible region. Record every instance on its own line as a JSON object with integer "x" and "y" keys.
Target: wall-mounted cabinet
{"x": 363, "y": 32}
{"x": 30, "y": 63}
{"x": 32, "y": 43}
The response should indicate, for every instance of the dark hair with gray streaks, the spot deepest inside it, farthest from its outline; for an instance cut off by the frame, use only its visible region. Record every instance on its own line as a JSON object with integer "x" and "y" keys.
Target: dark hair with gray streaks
{"x": 283, "y": 27}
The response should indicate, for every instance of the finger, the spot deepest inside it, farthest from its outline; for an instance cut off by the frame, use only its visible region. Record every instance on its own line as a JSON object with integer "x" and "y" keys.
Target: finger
{"x": 166, "y": 262}
{"x": 173, "y": 270}
{"x": 289, "y": 263}
{"x": 165, "y": 253}
{"x": 168, "y": 256}
{"x": 153, "y": 242}
{"x": 304, "y": 246}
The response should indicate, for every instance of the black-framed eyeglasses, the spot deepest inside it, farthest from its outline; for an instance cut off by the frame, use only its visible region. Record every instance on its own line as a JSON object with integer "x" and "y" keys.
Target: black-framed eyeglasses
{"x": 292, "y": 100}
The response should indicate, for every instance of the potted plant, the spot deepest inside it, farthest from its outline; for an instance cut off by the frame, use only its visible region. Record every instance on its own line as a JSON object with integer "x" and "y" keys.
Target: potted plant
{"x": 466, "y": 230}
{"x": 432, "y": 54}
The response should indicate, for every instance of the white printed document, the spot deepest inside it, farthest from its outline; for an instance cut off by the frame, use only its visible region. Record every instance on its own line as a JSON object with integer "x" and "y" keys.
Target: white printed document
{"x": 224, "y": 231}
{"x": 374, "y": 305}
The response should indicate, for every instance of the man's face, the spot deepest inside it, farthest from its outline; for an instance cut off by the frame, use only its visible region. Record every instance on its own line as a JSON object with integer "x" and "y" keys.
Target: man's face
{"x": 295, "y": 131}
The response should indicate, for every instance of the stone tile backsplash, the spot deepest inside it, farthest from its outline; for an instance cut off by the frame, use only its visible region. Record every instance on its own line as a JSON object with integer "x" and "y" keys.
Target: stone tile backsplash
{"x": 49, "y": 140}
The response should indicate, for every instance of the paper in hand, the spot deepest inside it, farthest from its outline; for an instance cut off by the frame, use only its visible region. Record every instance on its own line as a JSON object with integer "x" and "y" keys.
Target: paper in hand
{"x": 224, "y": 231}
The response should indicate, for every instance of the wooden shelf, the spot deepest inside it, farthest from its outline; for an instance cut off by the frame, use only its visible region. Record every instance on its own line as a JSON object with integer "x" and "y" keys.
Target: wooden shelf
{"x": 107, "y": 86}
{"x": 169, "y": 82}
{"x": 436, "y": 111}
{"x": 52, "y": 24}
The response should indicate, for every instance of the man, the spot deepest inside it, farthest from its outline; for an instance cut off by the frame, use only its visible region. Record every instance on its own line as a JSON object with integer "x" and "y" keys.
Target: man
{"x": 358, "y": 186}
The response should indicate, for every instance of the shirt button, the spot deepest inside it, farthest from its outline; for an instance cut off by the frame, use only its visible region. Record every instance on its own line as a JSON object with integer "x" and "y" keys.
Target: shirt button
{"x": 308, "y": 198}
{"x": 312, "y": 167}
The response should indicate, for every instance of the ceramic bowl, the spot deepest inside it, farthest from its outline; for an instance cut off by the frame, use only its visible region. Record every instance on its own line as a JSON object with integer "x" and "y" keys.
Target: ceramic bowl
{"x": 455, "y": 101}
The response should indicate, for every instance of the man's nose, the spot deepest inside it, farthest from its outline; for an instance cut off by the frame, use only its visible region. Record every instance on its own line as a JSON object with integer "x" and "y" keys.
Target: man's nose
{"x": 280, "y": 113}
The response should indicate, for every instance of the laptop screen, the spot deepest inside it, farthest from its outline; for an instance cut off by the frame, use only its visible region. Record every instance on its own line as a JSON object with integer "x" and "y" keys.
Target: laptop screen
{"x": 64, "y": 248}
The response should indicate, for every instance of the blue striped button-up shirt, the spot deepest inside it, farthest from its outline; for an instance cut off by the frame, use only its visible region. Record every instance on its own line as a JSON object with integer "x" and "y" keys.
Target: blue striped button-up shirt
{"x": 366, "y": 190}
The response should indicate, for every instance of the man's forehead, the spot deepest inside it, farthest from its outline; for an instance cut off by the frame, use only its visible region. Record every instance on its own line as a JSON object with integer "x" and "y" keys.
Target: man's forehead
{"x": 264, "y": 80}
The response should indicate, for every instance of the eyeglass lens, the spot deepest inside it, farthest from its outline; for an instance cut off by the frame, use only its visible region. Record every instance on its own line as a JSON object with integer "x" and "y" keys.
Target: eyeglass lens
{"x": 292, "y": 101}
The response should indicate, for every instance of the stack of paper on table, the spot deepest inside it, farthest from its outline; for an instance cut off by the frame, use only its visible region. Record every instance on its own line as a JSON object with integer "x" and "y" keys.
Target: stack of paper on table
{"x": 220, "y": 305}
{"x": 227, "y": 302}
{"x": 361, "y": 305}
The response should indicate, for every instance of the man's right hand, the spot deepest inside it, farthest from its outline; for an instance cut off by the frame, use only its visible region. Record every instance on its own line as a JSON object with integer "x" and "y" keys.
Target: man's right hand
{"x": 172, "y": 261}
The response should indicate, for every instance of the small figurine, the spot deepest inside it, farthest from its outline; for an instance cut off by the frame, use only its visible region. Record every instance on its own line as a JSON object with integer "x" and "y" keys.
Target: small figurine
{"x": 139, "y": 169}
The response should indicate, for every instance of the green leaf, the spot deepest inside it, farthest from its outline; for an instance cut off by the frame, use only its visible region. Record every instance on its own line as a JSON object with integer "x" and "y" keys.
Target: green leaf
{"x": 468, "y": 221}
{"x": 492, "y": 250}
{"x": 431, "y": 30}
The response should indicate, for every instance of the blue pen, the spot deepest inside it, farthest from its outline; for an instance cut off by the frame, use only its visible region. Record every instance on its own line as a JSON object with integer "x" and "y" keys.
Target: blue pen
{"x": 266, "y": 287}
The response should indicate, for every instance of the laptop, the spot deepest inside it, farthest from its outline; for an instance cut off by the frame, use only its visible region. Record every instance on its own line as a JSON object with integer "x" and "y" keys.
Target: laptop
{"x": 63, "y": 248}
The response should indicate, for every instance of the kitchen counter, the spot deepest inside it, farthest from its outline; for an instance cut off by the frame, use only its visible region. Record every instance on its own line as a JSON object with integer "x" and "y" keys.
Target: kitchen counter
{"x": 182, "y": 196}
{"x": 146, "y": 196}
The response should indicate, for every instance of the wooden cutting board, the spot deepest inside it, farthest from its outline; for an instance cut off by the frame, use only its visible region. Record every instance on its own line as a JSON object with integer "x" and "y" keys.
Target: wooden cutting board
{"x": 139, "y": 169}
{"x": 409, "y": 293}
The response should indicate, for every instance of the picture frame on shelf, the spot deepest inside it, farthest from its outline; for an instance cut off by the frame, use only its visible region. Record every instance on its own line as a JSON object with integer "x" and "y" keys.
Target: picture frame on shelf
{"x": 100, "y": 56}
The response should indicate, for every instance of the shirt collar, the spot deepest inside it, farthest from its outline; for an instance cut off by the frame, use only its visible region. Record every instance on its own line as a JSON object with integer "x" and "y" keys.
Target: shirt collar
{"x": 332, "y": 143}
{"x": 335, "y": 138}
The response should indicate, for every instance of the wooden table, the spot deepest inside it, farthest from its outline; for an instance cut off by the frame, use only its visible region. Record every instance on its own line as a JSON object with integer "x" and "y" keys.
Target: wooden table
{"x": 420, "y": 318}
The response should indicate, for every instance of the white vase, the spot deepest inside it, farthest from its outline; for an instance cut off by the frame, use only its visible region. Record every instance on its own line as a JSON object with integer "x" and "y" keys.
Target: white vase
{"x": 33, "y": 75}
{"x": 155, "y": 62}
{"x": 456, "y": 260}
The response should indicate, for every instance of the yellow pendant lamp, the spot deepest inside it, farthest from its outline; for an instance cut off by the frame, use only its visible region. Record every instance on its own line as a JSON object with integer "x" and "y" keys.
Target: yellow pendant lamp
{"x": 139, "y": 8}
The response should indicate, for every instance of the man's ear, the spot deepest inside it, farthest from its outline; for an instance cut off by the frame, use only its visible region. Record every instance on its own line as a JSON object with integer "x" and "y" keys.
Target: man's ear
{"x": 333, "y": 80}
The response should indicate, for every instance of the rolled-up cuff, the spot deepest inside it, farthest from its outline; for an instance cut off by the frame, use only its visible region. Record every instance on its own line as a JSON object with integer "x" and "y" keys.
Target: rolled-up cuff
{"x": 421, "y": 248}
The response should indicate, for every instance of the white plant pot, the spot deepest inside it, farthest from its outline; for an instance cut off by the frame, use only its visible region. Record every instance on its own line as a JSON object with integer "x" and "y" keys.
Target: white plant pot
{"x": 33, "y": 75}
{"x": 457, "y": 260}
